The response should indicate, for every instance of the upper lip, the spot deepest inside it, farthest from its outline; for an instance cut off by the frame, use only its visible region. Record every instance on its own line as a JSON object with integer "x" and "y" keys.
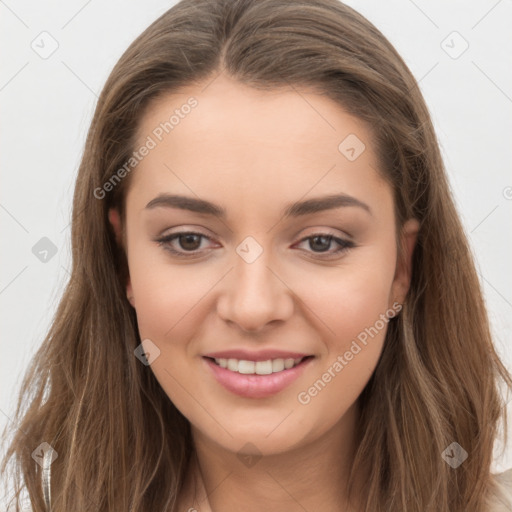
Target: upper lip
{"x": 262, "y": 355}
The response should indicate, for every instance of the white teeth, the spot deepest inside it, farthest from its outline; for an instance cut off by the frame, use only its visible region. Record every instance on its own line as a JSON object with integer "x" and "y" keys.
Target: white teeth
{"x": 246, "y": 366}
{"x": 258, "y": 367}
{"x": 264, "y": 367}
{"x": 278, "y": 365}
{"x": 232, "y": 365}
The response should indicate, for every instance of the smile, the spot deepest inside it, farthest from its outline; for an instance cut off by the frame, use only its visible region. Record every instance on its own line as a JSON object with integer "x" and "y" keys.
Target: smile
{"x": 258, "y": 367}
{"x": 256, "y": 379}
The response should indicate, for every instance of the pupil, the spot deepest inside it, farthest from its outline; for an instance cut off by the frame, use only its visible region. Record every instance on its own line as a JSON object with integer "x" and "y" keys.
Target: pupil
{"x": 189, "y": 238}
{"x": 323, "y": 246}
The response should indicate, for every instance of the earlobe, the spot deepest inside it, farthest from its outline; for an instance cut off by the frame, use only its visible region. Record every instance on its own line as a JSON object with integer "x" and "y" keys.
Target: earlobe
{"x": 402, "y": 281}
{"x": 129, "y": 293}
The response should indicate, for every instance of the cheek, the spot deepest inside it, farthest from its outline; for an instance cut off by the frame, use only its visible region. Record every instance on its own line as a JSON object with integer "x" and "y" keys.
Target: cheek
{"x": 350, "y": 303}
{"x": 350, "y": 299}
{"x": 352, "y": 311}
{"x": 356, "y": 317}
{"x": 168, "y": 296}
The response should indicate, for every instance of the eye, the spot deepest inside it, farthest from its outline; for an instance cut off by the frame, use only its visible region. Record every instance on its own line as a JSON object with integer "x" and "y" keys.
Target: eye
{"x": 320, "y": 243}
{"x": 189, "y": 241}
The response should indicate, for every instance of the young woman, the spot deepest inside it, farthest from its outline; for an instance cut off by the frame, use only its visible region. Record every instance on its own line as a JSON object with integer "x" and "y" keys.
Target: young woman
{"x": 273, "y": 304}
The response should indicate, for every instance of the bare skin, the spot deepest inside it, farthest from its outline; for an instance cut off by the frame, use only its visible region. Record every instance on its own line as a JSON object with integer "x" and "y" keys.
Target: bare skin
{"x": 253, "y": 153}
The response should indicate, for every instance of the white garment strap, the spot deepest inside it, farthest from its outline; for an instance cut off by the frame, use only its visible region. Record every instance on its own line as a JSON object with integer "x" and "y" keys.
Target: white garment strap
{"x": 47, "y": 462}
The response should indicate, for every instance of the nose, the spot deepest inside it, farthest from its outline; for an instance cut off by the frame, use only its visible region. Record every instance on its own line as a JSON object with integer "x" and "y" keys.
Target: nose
{"x": 254, "y": 295}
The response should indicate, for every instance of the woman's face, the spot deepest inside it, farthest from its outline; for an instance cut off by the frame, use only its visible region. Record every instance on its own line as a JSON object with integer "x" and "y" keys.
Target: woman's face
{"x": 258, "y": 283}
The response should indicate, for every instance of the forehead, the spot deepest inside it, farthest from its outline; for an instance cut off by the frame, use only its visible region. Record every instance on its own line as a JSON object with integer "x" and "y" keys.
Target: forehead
{"x": 225, "y": 138}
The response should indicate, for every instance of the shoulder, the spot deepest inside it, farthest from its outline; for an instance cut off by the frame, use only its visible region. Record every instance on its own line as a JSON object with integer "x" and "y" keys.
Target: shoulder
{"x": 500, "y": 494}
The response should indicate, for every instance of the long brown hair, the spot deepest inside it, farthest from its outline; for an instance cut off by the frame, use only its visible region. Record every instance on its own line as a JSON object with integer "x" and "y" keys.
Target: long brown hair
{"x": 121, "y": 443}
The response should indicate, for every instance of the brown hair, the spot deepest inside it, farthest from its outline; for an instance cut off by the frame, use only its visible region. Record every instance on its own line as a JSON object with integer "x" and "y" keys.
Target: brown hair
{"x": 437, "y": 379}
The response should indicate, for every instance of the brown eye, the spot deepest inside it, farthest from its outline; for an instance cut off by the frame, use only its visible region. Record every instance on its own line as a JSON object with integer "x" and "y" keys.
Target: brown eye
{"x": 189, "y": 241}
{"x": 320, "y": 243}
{"x": 184, "y": 243}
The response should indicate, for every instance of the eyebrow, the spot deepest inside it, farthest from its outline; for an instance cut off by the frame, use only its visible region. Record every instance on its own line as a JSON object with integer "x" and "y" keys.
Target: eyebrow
{"x": 297, "y": 209}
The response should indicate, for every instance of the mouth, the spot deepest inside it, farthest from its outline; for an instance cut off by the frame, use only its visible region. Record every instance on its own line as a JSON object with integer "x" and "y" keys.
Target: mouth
{"x": 267, "y": 367}
{"x": 256, "y": 379}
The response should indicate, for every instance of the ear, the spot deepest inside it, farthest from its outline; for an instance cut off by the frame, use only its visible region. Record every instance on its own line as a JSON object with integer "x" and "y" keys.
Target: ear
{"x": 115, "y": 221}
{"x": 402, "y": 279}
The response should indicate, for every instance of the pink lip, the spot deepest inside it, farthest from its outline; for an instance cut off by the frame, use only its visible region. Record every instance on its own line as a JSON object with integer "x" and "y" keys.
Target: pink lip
{"x": 255, "y": 386}
{"x": 262, "y": 355}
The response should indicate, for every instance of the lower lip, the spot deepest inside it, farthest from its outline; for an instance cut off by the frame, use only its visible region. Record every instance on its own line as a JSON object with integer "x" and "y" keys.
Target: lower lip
{"x": 256, "y": 386}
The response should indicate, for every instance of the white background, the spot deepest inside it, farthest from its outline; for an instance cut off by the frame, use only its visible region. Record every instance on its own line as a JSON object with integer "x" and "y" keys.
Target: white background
{"x": 47, "y": 105}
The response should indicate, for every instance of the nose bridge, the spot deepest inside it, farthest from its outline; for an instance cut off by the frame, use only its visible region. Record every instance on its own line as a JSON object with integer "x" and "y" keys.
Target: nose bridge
{"x": 252, "y": 273}
{"x": 254, "y": 295}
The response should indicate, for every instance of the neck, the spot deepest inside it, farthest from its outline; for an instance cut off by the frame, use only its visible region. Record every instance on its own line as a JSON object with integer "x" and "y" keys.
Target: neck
{"x": 310, "y": 477}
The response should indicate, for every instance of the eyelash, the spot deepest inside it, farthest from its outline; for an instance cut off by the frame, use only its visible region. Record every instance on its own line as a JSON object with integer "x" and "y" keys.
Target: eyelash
{"x": 165, "y": 241}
